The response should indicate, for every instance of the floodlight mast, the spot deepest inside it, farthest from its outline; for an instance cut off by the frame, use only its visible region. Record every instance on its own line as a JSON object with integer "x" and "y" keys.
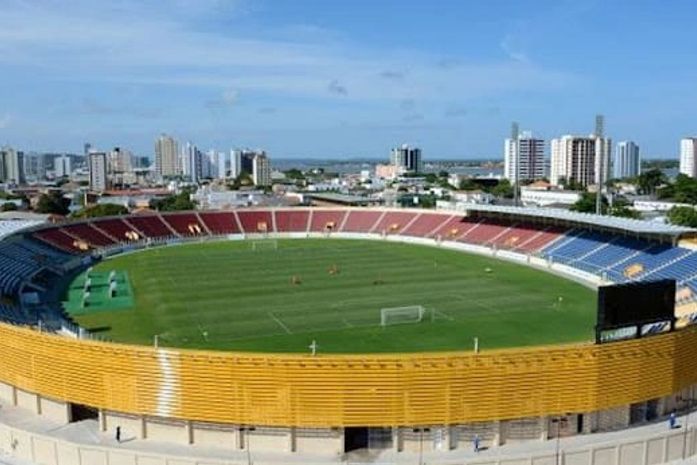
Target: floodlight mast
{"x": 515, "y": 134}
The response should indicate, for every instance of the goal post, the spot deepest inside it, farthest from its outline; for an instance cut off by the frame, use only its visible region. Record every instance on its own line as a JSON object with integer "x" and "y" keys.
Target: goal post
{"x": 401, "y": 315}
{"x": 267, "y": 244}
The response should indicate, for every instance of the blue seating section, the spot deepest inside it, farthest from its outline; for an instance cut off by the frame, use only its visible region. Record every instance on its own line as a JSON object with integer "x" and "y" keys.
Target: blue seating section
{"x": 20, "y": 259}
{"x": 582, "y": 244}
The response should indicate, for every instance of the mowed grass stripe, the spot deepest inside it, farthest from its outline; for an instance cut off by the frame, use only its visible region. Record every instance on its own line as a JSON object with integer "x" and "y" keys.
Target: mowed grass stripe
{"x": 227, "y": 296}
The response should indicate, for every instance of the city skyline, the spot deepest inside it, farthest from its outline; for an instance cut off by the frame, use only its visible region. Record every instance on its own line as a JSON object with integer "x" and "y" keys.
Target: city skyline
{"x": 309, "y": 79}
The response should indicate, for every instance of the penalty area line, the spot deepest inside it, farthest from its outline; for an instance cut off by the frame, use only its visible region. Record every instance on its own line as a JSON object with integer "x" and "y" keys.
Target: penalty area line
{"x": 280, "y": 323}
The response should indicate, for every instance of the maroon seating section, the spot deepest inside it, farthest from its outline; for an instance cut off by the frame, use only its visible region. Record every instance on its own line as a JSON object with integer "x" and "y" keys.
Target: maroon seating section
{"x": 220, "y": 222}
{"x": 88, "y": 234}
{"x": 57, "y": 238}
{"x": 394, "y": 222}
{"x": 292, "y": 220}
{"x": 361, "y": 221}
{"x": 425, "y": 224}
{"x": 116, "y": 228}
{"x": 486, "y": 233}
{"x": 454, "y": 228}
{"x": 490, "y": 232}
{"x": 541, "y": 239}
{"x": 252, "y": 219}
{"x": 150, "y": 225}
{"x": 180, "y": 222}
{"x": 321, "y": 218}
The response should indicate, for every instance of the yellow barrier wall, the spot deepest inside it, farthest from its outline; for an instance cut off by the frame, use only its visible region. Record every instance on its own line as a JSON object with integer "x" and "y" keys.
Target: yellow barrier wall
{"x": 353, "y": 390}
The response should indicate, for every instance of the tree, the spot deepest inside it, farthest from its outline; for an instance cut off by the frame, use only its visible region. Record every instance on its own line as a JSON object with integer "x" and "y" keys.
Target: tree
{"x": 9, "y": 206}
{"x": 622, "y": 208}
{"x": 649, "y": 180}
{"x": 468, "y": 185}
{"x": 683, "y": 216}
{"x": 177, "y": 202}
{"x": 105, "y": 209}
{"x": 53, "y": 203}
{"x": 586, "y": 204}
{"x": 503, "y": 189}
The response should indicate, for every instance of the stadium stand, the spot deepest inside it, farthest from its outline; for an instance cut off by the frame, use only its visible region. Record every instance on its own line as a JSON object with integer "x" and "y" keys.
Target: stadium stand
{"x": 150, "y": 225}
{"x": 425, "y": 224}
{"x": 117, "y": 229}
{"x": 60, "y": 239}
{"x": 394, "y": 222}
{"x": 255, "y": 221}
{"x": 291, "y": 220}
{"x": 361, "y": 221}
{"x": 185, "y": 224}
{"x": 325, "y": 220}
{"x": 220, "y": 222}
{"x": 87, "y": 233}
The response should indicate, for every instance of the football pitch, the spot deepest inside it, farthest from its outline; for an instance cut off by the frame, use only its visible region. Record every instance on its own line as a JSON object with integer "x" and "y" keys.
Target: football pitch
{"x": 282, "y": 295}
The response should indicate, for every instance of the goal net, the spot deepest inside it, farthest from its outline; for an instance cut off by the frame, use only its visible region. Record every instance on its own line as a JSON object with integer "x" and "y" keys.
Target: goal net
{"x": 269, "y": 244}
{"x": 401, "y": 315}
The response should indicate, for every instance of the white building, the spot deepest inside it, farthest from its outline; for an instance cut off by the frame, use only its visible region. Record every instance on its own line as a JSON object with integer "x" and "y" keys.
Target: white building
{"x": 63, "y": 166}
{"x": 97, "y": 166}
{"x": 408, "y": 158}
{"x": 531, "y": 153}
{"x": 221, "y": 164}
{"x": 688, "y": 156}
{"x": 579, "y": 159}
{"x": 626, "y": 163}
{"x": 532, "y": 196}
{"x": 120, "y": 161}
{"x": 167, "y": 161}
{"x": 192, "y": 163}
{"x": 261, "y": 170}
{"x": 235, "y": 163}
{"x": 11, "y": 166}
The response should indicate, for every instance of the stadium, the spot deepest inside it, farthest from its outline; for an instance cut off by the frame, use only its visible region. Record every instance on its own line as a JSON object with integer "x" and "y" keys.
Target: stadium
{"x": 337, "y": 331}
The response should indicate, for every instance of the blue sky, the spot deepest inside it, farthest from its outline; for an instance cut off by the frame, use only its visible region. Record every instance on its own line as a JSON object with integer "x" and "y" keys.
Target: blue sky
{"x": 344, "y": 78}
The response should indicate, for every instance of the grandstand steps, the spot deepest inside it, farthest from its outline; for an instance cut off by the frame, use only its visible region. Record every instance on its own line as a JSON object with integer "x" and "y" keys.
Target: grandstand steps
{"x": 441, "y": 225}
{"x": 238, "y": 222}
{"x": 106, "y": 233}
{"x": 409, "y": 223}
{"x": 203, "y": 224}
{"x": 377, "y": 223}
{"x": 627, "y": 258}
{"x": 600, "y": 248}
{"x": 309, "y": 222}
{"x": 343, "y": 221}
{"x": 567, "y": 238}
{"x": 169, "y": 226}
{"x": 472, "y": 228}
{"x": 665, "y": 265}
{"x": 273, "y": 221}
{"x": 532, "y": 238}
{"x": 133, "y": 227}
{"x": 492, "y": 242}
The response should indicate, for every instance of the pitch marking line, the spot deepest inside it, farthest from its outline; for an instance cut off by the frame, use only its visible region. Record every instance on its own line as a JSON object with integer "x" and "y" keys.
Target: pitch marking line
{"x": 280, "y": 323}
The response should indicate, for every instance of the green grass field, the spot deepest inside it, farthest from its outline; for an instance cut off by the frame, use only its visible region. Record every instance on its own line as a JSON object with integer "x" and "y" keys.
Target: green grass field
{"x": 225, "y": 295}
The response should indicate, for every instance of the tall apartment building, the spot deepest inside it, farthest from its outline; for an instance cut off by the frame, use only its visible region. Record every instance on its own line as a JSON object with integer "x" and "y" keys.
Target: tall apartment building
{"x": 579, "y": 159}
{"x": 167, "y": 158}
{"x": 626, "y": 162}
{"x": 120, "y": 160}
{"x": 11, "y": 166}
{"x": 407, "y": 158}
{"x": 192, "y": 161}
{"x": 97, "y": 164}
{"x": 235, "y": 163}
{"x": 688, "y": 156}
{"x": 62, "y": 166}
{"x": 261, "y": 170}
{"x": 531, "y": 153}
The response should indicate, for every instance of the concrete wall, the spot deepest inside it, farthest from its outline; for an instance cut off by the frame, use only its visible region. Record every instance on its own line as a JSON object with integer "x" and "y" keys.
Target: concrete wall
{"x": 47, "y": 450}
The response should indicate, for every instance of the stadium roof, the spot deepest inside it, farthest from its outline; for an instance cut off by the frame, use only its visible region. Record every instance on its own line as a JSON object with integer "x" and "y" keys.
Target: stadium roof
{"x": 644, "y": 227}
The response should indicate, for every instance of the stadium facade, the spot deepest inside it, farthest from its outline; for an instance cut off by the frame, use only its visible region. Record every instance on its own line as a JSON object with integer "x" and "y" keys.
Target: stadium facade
{"x": 337, "y": 403}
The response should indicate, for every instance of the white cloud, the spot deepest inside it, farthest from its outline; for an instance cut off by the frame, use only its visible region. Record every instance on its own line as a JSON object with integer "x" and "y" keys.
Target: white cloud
{"x": 146, "y": 43}
{"x": 5, "y": 121}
